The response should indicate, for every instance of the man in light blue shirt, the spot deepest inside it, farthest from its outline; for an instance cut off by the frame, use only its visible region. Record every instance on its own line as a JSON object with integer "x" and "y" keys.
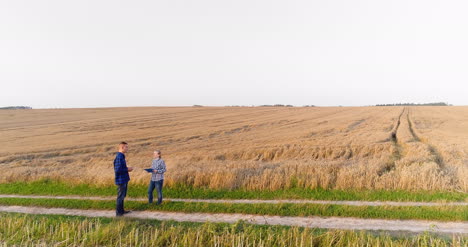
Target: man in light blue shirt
{"x": 157, "y": 177}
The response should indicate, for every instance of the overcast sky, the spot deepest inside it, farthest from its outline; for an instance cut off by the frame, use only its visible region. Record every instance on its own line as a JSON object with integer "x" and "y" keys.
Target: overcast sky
{"x": 244, "y": 52}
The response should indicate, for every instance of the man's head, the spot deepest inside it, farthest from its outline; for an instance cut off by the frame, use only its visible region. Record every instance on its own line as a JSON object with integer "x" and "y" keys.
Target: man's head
{"x": 157, "y": 154}
{"x": 123, "y": 147}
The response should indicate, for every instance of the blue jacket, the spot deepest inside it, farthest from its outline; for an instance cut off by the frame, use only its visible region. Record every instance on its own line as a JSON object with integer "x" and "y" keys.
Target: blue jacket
{"x": 121, "y": 170}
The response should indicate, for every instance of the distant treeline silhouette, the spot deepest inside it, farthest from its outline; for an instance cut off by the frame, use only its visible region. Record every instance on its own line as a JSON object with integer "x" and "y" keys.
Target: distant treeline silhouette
{"x": 277, "y": 105}
{"x": 414, "y": 104}
{"x": 15, "y": 107}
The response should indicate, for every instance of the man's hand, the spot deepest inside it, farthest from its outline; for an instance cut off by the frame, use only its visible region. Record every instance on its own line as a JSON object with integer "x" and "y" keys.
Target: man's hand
{"x": 155, "y": 171}
{"x": 130, "y": 169}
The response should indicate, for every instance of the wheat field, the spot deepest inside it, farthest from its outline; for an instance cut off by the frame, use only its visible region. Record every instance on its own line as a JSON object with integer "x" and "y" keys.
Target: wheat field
{"x": 264, "y": 148}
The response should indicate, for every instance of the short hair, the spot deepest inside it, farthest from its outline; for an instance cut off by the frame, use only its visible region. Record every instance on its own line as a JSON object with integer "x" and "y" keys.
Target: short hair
{"x": 123, "y": 143}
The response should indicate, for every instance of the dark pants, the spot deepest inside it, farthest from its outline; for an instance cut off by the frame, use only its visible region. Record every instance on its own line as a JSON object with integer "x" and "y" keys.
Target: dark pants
{"x": 121, "y": 194}
{"x": 158, "y": 185}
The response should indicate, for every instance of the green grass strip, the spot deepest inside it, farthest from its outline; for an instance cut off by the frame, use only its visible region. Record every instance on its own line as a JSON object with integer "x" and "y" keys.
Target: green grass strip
{"x": 53, "y": 230}
{"x": 445, "y": 213}
{"x": 48, "y": 187}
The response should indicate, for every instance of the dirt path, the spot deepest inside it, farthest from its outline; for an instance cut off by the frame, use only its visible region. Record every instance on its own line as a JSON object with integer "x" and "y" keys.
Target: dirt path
{"x": 312, "y": 222}
{"x": 254, "y": 201}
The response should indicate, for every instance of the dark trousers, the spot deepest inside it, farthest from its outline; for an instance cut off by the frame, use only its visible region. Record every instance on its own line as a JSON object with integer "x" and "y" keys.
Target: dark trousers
{"x": 158, "y": 185}
{"x": 121, "y": 194}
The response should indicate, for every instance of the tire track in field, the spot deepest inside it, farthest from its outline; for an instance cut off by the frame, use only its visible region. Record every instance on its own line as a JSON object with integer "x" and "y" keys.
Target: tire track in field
{"x": 393, "y": 134}
{"x": 396, "y": 154}
{"x": 257, "y": 201}
{"x": 438, "y": 157}
{"x": 309, "y": 222}
{"x": 399, "y": 145}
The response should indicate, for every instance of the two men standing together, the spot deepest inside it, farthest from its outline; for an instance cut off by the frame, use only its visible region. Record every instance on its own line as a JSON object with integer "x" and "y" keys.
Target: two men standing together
{"x": 122, "y": 177}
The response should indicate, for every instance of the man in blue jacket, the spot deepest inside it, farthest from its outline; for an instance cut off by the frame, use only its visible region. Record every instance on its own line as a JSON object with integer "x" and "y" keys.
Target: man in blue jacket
{"x": 121, "y": 178}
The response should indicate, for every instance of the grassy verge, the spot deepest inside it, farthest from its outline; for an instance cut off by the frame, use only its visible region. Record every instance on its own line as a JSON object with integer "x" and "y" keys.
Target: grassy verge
{"x": 29, "y": 230}
{"x": 446, "y": 213}
{"x": 48, "y": 187}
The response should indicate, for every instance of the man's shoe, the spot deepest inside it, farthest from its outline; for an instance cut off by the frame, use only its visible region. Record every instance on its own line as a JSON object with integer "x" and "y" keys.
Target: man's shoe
{"x": 121, "y": 214}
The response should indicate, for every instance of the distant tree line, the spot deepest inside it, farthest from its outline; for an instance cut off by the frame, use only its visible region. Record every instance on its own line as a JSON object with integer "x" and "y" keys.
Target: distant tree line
{"x": 276, "y": 105}
{"x": 279, "y": 105}
{"x": 15, "y": 107}
{"x": 414, "y": 104}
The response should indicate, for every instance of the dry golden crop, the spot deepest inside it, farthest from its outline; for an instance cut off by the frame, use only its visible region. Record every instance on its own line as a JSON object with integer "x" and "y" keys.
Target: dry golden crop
{"x": 410, "y": 148}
